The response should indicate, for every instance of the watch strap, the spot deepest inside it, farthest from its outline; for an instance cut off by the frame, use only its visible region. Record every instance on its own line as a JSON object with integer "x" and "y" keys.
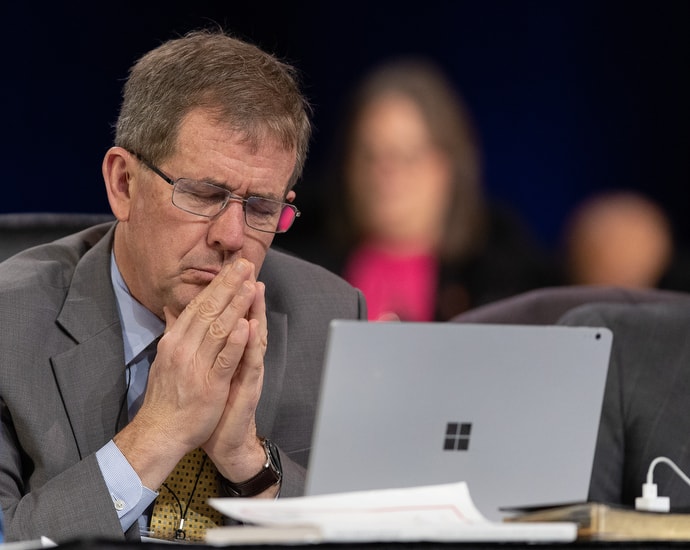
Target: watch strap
{"x": 270, "y": 475}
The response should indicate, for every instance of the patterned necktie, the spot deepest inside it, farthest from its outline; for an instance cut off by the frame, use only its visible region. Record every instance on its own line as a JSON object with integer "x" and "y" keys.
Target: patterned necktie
{"x": 181, "y": 510}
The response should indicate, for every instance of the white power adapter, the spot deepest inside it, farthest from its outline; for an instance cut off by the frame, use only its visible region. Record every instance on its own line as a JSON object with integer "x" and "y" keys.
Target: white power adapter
{"x": 650, "y": 501}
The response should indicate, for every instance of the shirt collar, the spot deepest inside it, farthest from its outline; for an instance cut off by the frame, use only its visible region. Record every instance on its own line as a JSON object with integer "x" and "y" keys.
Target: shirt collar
{"x": 140, "y": 326}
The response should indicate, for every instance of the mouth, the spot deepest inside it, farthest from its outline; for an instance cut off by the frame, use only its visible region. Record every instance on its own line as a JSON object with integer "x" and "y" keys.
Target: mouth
{"x": 199, "y": 275}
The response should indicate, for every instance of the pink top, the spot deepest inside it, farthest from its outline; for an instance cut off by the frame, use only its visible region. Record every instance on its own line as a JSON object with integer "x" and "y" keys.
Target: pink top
{"x": 395, "y": 286}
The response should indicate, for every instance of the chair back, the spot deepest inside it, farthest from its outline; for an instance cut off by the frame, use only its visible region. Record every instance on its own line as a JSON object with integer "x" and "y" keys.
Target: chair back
{"x": 19, "y": 231}
{"x": 545, "y": 306}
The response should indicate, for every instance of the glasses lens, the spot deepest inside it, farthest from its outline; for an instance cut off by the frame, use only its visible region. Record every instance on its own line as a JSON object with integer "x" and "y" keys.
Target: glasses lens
{"x": 265, "y": 214}
{"x": 206, "y": 199}
{"x": 287, "y": 217}
{"x": 198, "y": 197}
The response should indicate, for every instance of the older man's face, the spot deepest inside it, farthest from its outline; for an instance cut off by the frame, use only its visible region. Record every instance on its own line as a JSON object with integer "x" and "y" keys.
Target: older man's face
{"x": 170, "y": 255}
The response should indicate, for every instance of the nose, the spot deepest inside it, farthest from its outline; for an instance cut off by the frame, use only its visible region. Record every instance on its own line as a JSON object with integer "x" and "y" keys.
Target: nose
{"x": 226, "y": 231}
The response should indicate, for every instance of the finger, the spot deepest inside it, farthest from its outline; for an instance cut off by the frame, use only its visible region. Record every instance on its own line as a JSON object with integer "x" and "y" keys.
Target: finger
{"x": 221, "y": 328}
{"x": 250, "y": 375}
{"x": 210, "y": 303}
{"x": 237, "y": 425}
{"x": 258, "y": 335}
{"x": 170, "y": 318}
{"x": 228, "y": 359}
{"x": 248, "y": 380}
{"x": 258, "y": 308}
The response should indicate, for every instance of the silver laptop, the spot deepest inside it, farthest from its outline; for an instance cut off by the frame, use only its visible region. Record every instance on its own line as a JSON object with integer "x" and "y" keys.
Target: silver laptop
{"x": 511, "y": 410}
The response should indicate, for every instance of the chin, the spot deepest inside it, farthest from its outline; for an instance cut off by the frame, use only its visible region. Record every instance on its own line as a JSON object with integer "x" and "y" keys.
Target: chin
{"x": 182, "y": 296}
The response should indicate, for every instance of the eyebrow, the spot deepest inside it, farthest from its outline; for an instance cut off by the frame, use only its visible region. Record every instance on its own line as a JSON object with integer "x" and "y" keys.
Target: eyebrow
{"x": 271, "y": 196}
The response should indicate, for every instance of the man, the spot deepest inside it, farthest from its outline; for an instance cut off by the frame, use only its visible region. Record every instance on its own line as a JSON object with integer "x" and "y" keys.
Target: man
{"x": 645, "y": 413}
{"x": 211, "y": 138}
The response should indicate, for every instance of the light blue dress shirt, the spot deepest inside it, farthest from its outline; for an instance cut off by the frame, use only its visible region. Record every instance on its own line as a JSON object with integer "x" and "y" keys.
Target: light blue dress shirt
{"x": 140, "y": 328}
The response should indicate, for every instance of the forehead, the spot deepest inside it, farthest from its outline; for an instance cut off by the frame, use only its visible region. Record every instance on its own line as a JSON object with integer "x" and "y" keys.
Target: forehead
{"x": 213, "y": 151}
{"x": 394, "y": 117}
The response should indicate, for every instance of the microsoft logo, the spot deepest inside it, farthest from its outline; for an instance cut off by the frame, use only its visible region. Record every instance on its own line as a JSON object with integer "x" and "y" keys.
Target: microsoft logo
{"x": 457, "y": 436}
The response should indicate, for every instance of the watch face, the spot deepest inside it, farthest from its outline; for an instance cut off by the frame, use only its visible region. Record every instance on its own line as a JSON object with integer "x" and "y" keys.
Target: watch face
{"x": 274, "y": 457}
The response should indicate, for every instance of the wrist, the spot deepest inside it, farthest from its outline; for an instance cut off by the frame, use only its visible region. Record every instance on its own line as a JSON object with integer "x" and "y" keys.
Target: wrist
{"x": 269, "y": 476}
{"x": 146, "y": 459}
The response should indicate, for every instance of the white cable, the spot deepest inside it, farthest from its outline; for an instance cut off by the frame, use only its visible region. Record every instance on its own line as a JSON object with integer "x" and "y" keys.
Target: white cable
{"x": 650, "y": 501}
{"x": 672, "y": 464}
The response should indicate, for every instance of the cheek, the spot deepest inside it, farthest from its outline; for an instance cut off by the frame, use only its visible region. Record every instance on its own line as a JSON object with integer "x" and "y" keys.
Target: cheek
{"x": 164, "y": 232}
{"x": 435, "y": 193}
{"x": 150, "y": 208}
{"x": 255, "y": 247}
{"x": 155, "y": 231}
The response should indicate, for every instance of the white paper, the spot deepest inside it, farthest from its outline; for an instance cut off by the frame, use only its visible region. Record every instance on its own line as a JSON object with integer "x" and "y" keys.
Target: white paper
{"x": 430, "y": 513}
{"x": 43, "y": 542}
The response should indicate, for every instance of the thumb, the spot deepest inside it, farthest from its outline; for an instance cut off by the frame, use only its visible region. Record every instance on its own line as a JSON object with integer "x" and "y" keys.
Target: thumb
{"x": 170, "y": 318}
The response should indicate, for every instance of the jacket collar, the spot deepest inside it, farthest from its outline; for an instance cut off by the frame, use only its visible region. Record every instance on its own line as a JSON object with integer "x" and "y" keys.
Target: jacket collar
{"x": 91, "y": 375}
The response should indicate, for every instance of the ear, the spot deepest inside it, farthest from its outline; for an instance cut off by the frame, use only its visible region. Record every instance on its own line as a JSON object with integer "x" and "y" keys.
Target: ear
{"x": 290, "y": 197}
{"x": 117, "y": 169}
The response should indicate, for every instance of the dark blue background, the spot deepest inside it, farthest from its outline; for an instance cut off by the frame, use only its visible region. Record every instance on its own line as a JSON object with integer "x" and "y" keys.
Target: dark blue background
{"x": 570, "y": 97}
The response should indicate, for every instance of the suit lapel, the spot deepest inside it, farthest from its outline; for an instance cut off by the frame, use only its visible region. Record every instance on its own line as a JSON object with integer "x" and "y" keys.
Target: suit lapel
{"x": 275, "y": 361}
{"x": 90, "y": 375}
{"x": 274, "y": 371}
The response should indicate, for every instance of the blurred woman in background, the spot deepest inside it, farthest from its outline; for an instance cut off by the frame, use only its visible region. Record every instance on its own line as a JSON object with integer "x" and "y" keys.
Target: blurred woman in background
{"x": 409, "y": 221}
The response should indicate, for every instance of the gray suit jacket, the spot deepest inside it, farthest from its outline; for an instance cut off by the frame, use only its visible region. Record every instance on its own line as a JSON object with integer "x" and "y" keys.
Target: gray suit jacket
{"x": 62, "y": 378}
{"x": 646, "y": 410}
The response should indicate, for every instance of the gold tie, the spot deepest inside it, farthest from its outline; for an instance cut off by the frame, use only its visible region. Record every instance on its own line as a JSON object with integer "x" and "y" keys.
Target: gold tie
{"x": 181, "y": 510}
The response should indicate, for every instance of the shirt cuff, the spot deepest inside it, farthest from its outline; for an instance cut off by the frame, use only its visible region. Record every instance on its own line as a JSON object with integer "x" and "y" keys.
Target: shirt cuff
{"x": 130, "y": 497}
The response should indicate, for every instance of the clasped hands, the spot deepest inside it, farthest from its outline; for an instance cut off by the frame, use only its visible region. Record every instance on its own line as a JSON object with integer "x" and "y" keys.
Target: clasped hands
{"x": 205, "y": 382}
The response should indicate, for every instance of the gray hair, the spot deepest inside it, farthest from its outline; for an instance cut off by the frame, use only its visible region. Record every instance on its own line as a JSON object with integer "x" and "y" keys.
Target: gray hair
{"x": 251, "y": 91}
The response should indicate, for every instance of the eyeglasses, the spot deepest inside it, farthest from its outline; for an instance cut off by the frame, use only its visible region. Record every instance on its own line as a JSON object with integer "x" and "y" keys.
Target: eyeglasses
{"x": 209, "y": 200}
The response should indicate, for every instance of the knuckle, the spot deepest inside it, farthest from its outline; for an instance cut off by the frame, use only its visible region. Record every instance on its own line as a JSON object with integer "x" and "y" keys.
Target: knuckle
{"x": 224, "y": 362}
{"x": 229, "y": 282}
{"x": 217, "y": 330}
{"x": 173, "y": 350}
{"x": 208, "y": 309}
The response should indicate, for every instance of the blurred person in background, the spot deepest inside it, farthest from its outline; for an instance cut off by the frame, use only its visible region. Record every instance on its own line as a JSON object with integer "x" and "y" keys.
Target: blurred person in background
{"x": 619, "y": 238}
{"x": 409, "y": 222}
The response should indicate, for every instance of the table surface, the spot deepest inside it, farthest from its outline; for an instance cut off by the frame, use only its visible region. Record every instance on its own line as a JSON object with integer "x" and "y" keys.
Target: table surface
{"x": 89, "y": 544}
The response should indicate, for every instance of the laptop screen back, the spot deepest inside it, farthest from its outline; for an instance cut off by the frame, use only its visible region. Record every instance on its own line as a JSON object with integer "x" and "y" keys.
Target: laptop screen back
{"x": 512, "y": 410}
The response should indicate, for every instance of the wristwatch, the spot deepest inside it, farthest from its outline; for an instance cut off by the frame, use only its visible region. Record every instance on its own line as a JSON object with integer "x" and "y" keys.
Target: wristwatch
{"x": 271, "y": 474}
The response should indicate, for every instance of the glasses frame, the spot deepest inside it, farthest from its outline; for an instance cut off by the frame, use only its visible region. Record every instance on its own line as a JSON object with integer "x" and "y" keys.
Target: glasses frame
{"x": 229, "y": 197}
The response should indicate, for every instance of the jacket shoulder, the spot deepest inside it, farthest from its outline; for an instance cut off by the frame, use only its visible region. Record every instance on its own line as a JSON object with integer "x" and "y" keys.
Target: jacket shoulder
{"x": 292, "y": 282}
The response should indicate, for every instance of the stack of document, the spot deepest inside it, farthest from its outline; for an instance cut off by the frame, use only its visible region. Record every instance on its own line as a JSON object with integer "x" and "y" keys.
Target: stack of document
{"x": 439, "y": 513}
